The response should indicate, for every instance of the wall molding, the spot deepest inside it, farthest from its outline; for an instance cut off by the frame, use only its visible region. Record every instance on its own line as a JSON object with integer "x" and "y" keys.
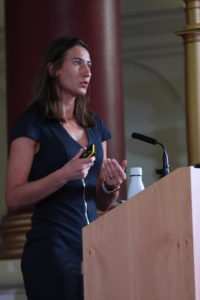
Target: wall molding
{"x": 152, "y": 34}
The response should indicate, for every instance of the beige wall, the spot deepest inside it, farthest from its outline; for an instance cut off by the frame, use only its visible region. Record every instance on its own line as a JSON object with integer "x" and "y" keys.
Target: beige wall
{"x": 136, "y": 6}
{"x": 153, "y": 60}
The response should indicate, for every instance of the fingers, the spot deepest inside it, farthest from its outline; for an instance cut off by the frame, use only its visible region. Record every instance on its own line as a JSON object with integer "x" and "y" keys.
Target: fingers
{"x": 85, "y": 166}
{"x": 124, "y": 164}
{"x": 85, "y": 161}
{"x": 88, "y": 162}
{"x": 83, "y": 173}
{"x": 114, "y": 172}
{"x": 78, "y": 154}
{"x": 79, "y": 167}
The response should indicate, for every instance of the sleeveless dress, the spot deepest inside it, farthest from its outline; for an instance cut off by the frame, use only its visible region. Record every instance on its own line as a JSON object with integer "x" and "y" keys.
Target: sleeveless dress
{"x": 51, "y": 261}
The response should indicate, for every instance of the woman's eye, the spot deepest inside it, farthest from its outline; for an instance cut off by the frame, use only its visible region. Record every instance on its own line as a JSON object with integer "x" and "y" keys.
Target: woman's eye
{"x": 77, "y": 62}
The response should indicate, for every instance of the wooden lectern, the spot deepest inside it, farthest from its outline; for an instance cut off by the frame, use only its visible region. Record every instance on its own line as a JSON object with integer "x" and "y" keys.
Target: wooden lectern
{"x": 147, "y": 248}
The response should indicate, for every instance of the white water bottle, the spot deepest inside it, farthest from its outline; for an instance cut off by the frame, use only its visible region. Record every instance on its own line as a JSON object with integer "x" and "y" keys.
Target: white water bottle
{"x": 136, "y": 184}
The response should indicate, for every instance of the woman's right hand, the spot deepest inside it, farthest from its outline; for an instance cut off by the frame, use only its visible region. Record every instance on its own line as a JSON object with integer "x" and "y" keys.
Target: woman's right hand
{"x": 77, "y": 167}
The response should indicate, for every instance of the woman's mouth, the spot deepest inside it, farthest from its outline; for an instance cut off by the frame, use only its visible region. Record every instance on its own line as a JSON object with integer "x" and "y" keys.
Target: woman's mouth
{"x": 84, "y": 84}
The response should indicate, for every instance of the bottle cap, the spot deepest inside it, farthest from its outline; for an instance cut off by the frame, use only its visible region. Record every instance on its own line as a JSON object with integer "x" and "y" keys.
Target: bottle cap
{"x": 136, "y": 171}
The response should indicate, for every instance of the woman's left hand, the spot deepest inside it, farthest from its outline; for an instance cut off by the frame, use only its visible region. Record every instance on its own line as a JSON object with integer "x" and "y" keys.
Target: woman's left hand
{"x": 113, "y": 172}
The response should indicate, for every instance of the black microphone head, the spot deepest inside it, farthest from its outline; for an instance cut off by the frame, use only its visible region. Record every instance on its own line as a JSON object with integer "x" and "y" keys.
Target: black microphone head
{"x": 144, "y": 138}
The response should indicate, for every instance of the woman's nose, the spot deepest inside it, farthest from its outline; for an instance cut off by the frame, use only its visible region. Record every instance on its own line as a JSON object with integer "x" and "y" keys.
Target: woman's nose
{"x": 86, "y": 70}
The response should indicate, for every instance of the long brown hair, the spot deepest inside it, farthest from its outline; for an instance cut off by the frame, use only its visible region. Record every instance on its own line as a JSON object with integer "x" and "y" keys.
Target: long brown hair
{"x": 44, "y": 96}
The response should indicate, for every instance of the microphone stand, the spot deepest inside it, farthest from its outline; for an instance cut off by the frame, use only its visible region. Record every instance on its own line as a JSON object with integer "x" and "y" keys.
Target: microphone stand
{"x": 165, "y": 169}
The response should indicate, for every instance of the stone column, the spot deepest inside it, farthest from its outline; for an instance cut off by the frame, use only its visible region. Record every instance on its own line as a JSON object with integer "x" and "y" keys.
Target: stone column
{"x": 30, "y": 27}
{"x": 191, "y": 37}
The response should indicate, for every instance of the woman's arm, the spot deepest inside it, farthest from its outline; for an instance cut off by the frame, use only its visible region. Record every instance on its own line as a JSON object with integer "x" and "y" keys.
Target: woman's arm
{"x": 111, "y": 176}
{"x": 21, "y": 193}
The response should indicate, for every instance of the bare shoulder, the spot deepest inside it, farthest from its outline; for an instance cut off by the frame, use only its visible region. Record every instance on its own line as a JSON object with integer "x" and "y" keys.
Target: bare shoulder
{"x": 22, "y": 151}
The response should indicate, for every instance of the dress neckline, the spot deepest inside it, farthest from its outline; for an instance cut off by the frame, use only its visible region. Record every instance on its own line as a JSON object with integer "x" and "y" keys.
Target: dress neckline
{"x": 75, "y": 141}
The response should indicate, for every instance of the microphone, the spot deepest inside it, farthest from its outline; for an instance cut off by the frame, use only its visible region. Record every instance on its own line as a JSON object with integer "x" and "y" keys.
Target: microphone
{"x": 165, "y": 169}
{"x": 144, "y": 138}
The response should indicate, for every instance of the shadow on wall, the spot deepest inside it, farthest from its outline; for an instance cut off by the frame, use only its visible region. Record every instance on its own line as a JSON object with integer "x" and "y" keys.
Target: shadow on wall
{"x": 154, "y": 107}
{"x": 150, "y": 156}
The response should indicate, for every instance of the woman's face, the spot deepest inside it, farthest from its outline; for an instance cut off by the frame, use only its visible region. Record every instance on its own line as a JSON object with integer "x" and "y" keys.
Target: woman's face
{"x": 73, "y": 77}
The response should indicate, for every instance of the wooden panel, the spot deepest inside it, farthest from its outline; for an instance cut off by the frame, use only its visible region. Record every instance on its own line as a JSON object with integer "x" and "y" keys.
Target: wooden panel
{"x": 143, "y": 249}
{"x": 196, "y": 229}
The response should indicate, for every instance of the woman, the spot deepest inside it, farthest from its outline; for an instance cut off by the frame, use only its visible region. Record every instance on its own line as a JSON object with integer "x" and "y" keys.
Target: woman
{"x": 45, "y": 169}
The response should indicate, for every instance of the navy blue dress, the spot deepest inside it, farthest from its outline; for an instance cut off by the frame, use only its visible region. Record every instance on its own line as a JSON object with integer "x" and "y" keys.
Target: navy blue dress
{"x": 51, "y": 261}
